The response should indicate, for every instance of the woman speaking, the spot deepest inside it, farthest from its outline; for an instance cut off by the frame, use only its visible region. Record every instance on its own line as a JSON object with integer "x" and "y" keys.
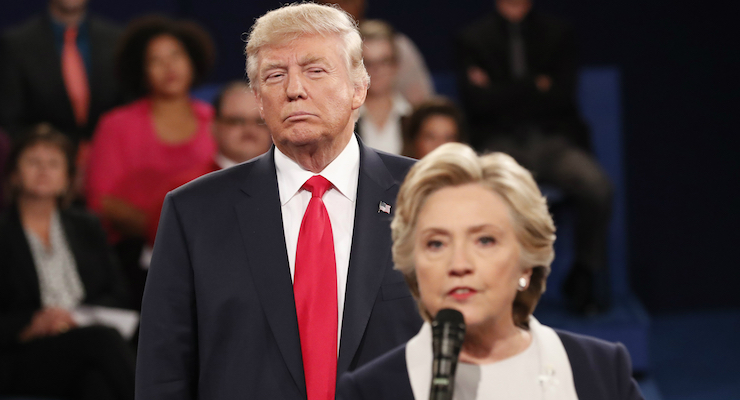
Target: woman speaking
{"x": 474, "y": 234}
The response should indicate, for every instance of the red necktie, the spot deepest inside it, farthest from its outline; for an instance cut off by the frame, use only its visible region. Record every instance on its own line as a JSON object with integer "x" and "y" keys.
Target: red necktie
{"x": 75, "y": 77}
{"x": 315, "y": 291}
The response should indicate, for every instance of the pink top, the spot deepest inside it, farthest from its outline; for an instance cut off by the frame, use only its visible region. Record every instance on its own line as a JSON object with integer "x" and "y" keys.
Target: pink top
{"x": 128, "y": 160}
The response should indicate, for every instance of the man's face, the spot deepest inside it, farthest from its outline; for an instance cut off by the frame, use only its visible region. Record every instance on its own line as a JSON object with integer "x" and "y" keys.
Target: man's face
{"x": 306, "y": 96}
{"x": 239, "y": 130}
{"x": 513, "y": 10}
{"x": 69, "y": 5}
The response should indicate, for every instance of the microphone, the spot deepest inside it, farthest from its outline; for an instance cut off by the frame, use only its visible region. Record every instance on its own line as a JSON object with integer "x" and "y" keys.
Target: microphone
{"x": 448, "y": 332}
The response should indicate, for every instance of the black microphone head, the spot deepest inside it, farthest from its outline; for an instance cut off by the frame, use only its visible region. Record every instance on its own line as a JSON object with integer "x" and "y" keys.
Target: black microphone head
{"x": 449, "y": 315}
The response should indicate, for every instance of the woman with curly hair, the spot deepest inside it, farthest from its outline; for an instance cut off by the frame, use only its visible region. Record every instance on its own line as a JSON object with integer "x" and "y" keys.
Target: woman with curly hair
{"x": 138, "y": 146}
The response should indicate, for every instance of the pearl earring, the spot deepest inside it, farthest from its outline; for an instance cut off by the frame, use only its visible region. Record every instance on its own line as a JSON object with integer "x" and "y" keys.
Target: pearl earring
{"x": 522, "y": 284}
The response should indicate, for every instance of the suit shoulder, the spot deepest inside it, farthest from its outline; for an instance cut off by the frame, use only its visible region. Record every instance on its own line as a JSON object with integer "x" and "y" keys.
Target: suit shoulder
{"x": 397, "y": 165}
{"x": 102, "y": 26}
{"x": 211, "y": 185}
{"x": 20, "y": 33}
{"x": 591, "y": 352}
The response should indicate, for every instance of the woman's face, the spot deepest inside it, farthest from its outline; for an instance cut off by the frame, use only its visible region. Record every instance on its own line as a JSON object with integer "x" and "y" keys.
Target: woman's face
{"x": 169, "y": 70}
{"x": 377, "y": 55}
{"x": 435, "y": 131}
{"x": 467, "y": 256}
{"x": 42, "y": 171}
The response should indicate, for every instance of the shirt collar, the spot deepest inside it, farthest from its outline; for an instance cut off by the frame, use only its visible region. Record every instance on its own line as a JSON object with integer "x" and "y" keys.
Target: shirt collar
{"x": 342, "y": 173}
{"x": 223, "y": 161}
{"x": 400, "y": 106}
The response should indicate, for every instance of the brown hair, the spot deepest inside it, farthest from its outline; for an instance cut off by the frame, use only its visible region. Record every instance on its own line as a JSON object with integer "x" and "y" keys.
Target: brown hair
{"x": 438, "y": 105}
{"x": 41, "y": 134}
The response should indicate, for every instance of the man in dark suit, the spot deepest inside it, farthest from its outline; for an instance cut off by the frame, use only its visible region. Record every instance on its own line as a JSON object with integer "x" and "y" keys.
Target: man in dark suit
{"x": 517, "y": 78}
{"x": 34, "y": 86}
{"x": 260, "y": 285}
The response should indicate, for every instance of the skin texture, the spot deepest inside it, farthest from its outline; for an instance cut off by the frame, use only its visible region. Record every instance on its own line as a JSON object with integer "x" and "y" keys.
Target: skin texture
{"x": 382, "y": 67}
{"x": 240, "y": 131}
{"x": 42, "y": 172}
{"x": 513, "y": 10}
{"x": 168, "y": 68}
{"x": 68, "y": 12}
{"x": 435, "y": 131}
{"x": 465, "y": 239}
{"x": 307, "y": 99}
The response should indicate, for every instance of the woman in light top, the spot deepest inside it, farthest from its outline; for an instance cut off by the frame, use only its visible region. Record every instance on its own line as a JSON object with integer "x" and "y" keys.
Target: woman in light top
{"x": 474, "y": 234}
{"x": 54, "y": 259}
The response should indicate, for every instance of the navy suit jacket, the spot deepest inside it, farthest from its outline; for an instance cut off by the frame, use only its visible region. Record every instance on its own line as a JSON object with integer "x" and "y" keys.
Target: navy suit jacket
{"x": 218, "y": 317}
{"x": 601, "y": 371}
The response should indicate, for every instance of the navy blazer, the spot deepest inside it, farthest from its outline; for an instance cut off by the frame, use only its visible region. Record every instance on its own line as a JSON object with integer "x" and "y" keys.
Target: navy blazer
{"x": 601, "y": 371}
{"x": 20, "y": 296}
{"x": 218, "y": 316}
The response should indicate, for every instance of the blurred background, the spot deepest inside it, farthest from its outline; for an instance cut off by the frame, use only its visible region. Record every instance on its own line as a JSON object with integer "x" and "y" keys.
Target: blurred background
{"x": 677, "y": 105}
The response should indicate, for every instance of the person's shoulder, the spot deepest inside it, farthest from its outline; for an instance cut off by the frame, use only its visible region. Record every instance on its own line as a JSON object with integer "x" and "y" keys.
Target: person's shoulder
{"x": 215, "y": 185}
{"x": 25, "y": 29}
{"x": 104, "y": 27}
{"x": 587, "y": 346}
{"x": 123, "y": 114}
{"x": 397, "y": 165}
{"x": 550, "y": 23}
{"x": 479, "y": 27}
{"x": 80, "y": 218}
{"x": 202, "y": 109}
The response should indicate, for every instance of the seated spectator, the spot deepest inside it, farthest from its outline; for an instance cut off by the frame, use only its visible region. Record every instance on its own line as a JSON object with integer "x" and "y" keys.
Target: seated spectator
{"x": 380, "y": 123}
{"x": 433, "y": 123}
{"x": 414, "y": 80}
{"x": 517, "y": 77}
{"x": 139, "y": 146}
{"x": 240, "y": 134}
{"x": 55, "y": 259}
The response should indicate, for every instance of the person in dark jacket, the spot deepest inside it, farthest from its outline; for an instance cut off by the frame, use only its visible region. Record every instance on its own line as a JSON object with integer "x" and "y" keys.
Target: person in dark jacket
{"x": 474, "y": 234}
{"x": 55, "y": 259}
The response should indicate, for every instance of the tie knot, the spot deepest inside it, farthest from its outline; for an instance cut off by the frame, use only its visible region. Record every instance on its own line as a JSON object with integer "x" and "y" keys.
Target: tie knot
{"x": 317, "y": 185}
{"x": 70, "y": 34}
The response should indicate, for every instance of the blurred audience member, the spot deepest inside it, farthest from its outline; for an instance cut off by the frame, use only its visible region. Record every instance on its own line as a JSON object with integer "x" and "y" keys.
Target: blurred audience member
{"x": 414, "y": 80}
{"x": 58, "y": 68}
{"x": 139, "y": 146}
{"x": 433, "y": 123}
{"x": 240, "y": 133}
{"x": 53, "y": 260}
{"x": 380, "y": 123}
{"x": 517, "y": 81}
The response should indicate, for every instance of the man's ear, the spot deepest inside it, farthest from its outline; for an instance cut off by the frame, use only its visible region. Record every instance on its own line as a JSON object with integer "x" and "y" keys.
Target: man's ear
{"x": 358, "y": 98}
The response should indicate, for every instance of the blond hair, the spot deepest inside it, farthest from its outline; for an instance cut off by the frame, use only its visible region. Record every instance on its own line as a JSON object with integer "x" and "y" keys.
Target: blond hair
{"x": 455, "y": 164}
{"x": 301, "y": 19}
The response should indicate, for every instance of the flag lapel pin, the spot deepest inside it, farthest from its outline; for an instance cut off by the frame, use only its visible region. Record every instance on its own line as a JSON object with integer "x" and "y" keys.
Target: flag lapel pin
{"x": 384, "y": 207}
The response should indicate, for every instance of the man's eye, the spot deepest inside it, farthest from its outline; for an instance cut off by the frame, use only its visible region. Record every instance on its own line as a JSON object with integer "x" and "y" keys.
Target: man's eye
{"x": 274, "y": 76}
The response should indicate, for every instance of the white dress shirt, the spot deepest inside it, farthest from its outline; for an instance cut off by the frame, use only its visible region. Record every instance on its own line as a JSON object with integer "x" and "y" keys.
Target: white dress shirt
{"x": 389, "y": 137}
{"x": 340, "y": 202}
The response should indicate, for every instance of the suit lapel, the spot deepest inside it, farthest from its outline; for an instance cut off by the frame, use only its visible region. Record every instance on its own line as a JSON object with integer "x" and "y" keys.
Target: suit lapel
{"x": 260, "y": 221}
{"x": 370, "y": 253}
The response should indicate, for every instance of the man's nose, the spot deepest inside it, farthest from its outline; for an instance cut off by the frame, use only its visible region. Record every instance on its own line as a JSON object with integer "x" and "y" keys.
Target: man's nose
{"x": 295, "y": 89}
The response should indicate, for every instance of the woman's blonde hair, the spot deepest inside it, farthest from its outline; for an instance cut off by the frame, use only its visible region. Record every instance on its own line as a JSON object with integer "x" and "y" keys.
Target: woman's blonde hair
{"x": 300, "y": 19}
{"x": 455, "y": 164}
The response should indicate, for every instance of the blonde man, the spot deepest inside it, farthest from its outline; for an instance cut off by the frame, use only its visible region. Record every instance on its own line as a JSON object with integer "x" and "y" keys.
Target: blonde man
{"x": 271, "y": 278}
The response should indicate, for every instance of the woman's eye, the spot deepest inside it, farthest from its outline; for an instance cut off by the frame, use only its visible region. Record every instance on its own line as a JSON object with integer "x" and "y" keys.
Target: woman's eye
{"x": 434, "y": 244}
{"x": 487, "y": 240}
